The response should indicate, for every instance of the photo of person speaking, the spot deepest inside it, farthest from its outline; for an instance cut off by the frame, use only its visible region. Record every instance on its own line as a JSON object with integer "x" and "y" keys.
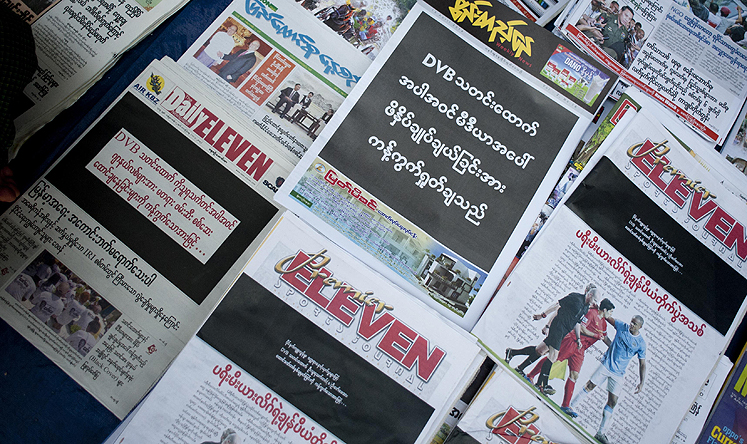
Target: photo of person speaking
{"x": 562, "y": 317}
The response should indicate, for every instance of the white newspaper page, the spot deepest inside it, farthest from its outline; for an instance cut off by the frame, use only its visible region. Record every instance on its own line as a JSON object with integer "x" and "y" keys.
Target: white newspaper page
{"x": 115, "y": 257}
{"x": 76, "y": 41}
{"x": 634, "y": 287}
{"x": 505, "y": 411}
{"x": 310, "y": 345}
{"x": 663, "y": 49}
{"x": 693, "y": 422}
{"x": 284, "y": 70}
{"x": 434, "y": 171}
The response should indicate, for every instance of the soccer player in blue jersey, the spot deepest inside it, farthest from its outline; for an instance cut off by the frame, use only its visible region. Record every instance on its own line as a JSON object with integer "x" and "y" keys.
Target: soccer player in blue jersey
{"x": 628, "y": 342}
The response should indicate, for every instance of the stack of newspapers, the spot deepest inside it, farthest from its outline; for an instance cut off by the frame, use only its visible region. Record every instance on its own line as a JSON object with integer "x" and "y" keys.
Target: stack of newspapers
{"x": 278, "y": 239}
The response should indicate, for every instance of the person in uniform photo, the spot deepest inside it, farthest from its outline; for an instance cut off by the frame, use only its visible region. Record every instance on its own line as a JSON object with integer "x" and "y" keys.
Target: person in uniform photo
{"x": 614, "y": 37}
{"x": 562, "y": 317}
{"x": 628, "y": 342}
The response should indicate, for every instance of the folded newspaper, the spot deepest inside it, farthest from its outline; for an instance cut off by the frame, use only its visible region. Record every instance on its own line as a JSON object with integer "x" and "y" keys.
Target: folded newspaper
{"x": 310, "y": 345}
{"x": 279, "y": 67}
{"x": 437, "y": 164}
{"x": 636, "y": 283}
{"x": 663, "y": 49}
{"x": 114, "y": 258}
{"x": 76, "y": 42}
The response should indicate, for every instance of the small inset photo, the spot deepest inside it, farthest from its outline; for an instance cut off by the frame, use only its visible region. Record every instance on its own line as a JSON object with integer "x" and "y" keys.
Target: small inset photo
{"x": 63, "y": 302}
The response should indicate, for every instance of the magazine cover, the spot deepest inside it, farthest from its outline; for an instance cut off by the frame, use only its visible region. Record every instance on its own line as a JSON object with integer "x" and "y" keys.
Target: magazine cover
{"x": 310, "y": 345}
{"x": 286, "y": 72}
{"x": 114, "y": 258}
{"x": 692, "y": 68}
{"x": 727, "y": 420}
{"x": 631, "y": 291}
{"x": 447, "y": 163}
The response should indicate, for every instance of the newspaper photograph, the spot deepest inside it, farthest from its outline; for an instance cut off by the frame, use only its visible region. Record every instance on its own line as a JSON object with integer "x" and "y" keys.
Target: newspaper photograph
{"x": 692, "y": 68}
{"x": 311, "y": 345}
{"x": 29, "y": 10}
{"x": 76, "y": 41}
{"x": 367, "y": 25}
{"x": 111, "y": 273}
{"x": 287, "y": 73}
{"x": 446, "y": 161}
{"x": 633, "y": 289}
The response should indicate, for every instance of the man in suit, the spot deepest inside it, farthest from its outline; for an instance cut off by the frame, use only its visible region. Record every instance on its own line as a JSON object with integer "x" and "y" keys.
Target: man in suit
{"x": 306, "y": 100}
{"x": 289, "y": 97}
{"x": 239, "y": 62}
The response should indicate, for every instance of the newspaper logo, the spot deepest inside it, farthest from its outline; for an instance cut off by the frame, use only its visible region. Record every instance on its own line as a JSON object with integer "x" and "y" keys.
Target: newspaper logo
{"x": 470, "y": 10}
{"x": 517, "y": 426}
{"x": 155, "y": 84}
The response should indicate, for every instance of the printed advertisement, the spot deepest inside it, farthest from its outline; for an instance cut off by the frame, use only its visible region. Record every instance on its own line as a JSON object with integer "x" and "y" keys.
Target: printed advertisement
{"x": 287, "y": 73}
{"x": 692, "y": 68}
{"x": 633, "y": 289}
{"x": 309, "y": 344}
{"x": 459, "y": 149}
{"x": 551, "y": 63}
{"x": 75, "y": 42}
{"x": 115, "y": 257}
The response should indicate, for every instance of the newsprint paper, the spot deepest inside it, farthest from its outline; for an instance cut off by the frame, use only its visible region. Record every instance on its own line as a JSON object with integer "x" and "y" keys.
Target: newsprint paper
{"x": 115, "y": 257}
{"x": 664, "y": 243}
{"x": 310, "y": 345}
{"x": 76, "y": 41}
{"x": 664, "y": 50}
{"x": 283, "y": 69}
{"x": 435, "y": 171}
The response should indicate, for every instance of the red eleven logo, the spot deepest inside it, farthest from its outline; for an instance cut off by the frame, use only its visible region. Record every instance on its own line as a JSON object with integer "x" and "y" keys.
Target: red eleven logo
{"x": 516, "y": 426}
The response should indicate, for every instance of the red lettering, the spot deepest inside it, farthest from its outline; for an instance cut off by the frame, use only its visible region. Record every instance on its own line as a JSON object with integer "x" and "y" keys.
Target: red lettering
{"x": 317, "y": 285}
{"x": 719, "y": 224}
{"x": 645, "y": 163}
{"x": 247, "y": 157}
{"x": 293, "y": 278}
{"x": 213, "y": 132}
{"x": 237, "y": 148}
{"x": 368, "y": 327}
{"x": 342, "y": 307}
{"x": 224, "y": 139}
{"x": 655, "y": 174}
{"x": 736, "y": 236}
{"x": 678, "y": 191}
{"x": 427, "y": 362}
{"x": 259, "y": 166}
{"x": 397, "y": 340}
{"x": 207, "y": 123}
{"x": 697, "y": 211}
{"x": 626, "y": 105}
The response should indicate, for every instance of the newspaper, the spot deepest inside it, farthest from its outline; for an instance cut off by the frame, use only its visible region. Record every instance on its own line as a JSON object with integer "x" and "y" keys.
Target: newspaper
{"x": 310, "y": 345}
{"x": 725, "y": 423}
{"x": 661, "y": 240}
{"x": 76, "y": 42}
{"x": 504, "y": 411}
{"x": 282, "y": 69}
{"x": 460, "y": 149}
{"x": 695, "y": 419}
{"x": 664, "y": 50}
{"x": 114, "y": 258}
